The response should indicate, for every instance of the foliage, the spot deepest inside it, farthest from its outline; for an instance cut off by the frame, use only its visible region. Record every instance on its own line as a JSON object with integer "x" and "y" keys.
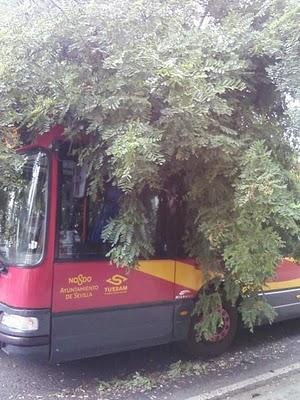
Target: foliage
{"x": 204, "y": 91}
{"x": 148, "y": 382}
{"x": 129, "y": 233}
{"x": 137, "y": 383}
{"x": 208, "y": 307}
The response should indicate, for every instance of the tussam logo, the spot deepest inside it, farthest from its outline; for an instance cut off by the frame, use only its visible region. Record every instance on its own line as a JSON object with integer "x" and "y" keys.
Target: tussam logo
{"x": 80, "y": 280}
{"x": 117, "y": 280}
{"x": 117, "y": 285}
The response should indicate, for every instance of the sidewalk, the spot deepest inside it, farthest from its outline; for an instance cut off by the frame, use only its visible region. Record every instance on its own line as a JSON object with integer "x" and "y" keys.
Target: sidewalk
{"x": 286, "y": 387}
{"x": 279, "y": 384}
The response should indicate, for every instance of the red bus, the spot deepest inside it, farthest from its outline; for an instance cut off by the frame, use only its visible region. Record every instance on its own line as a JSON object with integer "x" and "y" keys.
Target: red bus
{"x": 61, "y": 299}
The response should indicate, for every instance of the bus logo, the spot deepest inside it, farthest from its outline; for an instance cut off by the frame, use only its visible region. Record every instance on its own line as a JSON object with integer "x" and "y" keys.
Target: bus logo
{"x": 184, "y": 294}
{"x": 117, "y": 285}
{"x": 80, "y": 280}
{"x": 117, "y": 280}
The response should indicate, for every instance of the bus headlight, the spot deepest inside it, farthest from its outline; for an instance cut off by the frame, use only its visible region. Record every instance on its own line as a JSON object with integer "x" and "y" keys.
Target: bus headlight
{"x": 20, "y": 323}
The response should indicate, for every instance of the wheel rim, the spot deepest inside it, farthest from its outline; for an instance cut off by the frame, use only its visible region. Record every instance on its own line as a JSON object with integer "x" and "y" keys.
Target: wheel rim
{"x": 223, "y": 330}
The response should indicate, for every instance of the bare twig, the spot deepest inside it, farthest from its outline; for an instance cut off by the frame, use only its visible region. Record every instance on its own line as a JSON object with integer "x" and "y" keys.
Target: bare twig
{"x": 57, "y": 6}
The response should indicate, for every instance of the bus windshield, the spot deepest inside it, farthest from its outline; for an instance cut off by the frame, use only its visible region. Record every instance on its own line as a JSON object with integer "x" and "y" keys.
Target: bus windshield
{"x": 23, "y": 214}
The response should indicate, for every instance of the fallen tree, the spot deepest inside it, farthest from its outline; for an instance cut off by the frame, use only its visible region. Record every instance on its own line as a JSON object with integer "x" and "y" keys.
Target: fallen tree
{"x": 194, "y": 98}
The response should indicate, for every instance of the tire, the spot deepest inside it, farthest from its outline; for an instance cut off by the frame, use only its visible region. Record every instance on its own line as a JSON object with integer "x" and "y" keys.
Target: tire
{"x": 220, "y": 342}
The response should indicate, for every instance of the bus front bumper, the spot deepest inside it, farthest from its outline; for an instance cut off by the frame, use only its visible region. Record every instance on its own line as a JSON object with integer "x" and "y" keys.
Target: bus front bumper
{"x": 19, "y": 341}
{"x": 29, "y": 347}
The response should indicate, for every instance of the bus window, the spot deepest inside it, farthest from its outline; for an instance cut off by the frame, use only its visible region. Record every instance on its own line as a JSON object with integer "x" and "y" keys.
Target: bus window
{"x": 166, "y": 214}
{"x": 23, "y": 214}
{"x": 172, "y": 226}
{"x": 82, "y": 218}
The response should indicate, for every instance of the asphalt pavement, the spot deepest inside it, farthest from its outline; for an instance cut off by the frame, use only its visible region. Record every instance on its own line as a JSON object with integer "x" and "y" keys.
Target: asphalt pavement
{"x": 156, "y": 373}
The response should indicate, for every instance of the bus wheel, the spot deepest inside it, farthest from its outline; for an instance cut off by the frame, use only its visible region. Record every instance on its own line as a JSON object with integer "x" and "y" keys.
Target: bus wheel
{"x": 219, "y": 342}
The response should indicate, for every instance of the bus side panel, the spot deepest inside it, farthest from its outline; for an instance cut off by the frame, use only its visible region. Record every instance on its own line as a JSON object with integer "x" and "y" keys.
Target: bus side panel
{"x": 285, "y": 302}
{"x": 98, "y": 308}
{"x": 91, "y": 333}
{"x": 283, "y": 292}
{"x": 189, "y": 280}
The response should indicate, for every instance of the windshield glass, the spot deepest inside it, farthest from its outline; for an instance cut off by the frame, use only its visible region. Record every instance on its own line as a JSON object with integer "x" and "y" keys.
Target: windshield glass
{"x": 23, "y": 214}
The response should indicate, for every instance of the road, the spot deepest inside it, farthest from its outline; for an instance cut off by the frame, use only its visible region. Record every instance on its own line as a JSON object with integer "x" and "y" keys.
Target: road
{"x": 164, "y": 373}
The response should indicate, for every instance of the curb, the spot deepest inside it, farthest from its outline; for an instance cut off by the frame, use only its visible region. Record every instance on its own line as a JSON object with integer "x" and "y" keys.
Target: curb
{"x": 250, "y": 383}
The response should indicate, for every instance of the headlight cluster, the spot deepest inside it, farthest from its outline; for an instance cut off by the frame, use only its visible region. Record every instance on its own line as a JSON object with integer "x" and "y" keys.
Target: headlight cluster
{"x": 19, "y": 322}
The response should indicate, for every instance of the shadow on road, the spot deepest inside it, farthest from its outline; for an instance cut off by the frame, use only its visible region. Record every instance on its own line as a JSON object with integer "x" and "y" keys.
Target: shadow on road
{"x": 120, "y": 365}
{"x": 160, "y": 357}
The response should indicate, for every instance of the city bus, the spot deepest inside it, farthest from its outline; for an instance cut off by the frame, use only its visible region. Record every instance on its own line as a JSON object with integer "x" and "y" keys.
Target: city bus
{"x": 61, "y": 298}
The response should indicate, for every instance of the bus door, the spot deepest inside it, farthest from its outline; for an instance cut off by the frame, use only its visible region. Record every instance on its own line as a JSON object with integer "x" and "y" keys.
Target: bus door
{"x": 99, "y": 308}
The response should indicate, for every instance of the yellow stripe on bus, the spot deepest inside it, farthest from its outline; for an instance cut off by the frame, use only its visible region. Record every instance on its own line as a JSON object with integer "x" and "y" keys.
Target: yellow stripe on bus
{"x": 163, "y": 269}
{"x": 188, "y": 276}
{"x": 193, "y": 278}
{"x": 293, "y": 283}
